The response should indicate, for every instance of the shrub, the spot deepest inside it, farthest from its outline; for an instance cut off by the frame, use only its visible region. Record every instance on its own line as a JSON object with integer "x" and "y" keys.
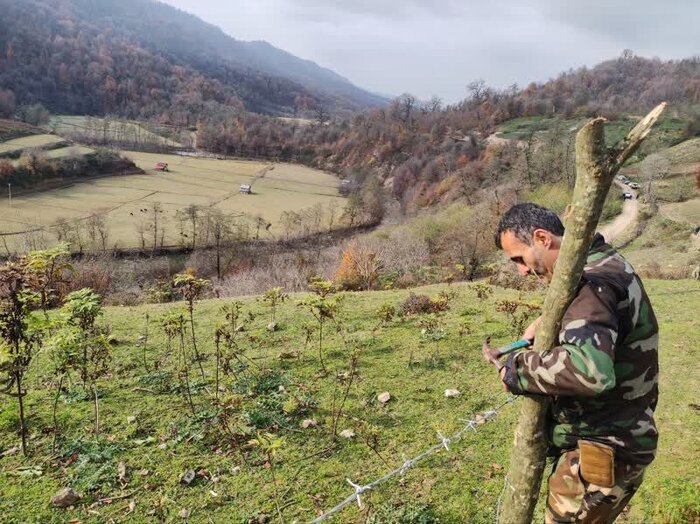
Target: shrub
{"x": 92, "y": 274}
{"x": 406, "y": 281}
{"x": 124, "y": 298}
{"x": 506, "y": 277}
{"x": 161, "y": 291}
{"x": 650, "y": 270}
{"x": 416, "y": 305}
{"x": 359, "y": 268}
{"x": 422, "y": 304}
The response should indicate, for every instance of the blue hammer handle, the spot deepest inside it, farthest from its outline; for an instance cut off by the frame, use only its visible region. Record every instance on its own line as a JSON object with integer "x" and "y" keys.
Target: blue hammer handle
{"x": 515, "y": 346}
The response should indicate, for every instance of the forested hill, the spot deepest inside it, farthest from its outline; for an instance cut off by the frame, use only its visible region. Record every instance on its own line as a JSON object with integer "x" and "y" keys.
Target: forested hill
{"x": 428, "y": 153}
{"x": 145, "y": 59}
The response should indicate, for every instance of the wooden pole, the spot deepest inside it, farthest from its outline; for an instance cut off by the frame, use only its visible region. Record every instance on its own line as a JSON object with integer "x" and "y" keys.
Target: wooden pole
{"x": 596, "y": 167}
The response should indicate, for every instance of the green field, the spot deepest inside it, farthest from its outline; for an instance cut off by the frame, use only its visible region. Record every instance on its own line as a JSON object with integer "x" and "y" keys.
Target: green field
{"x": 234, "y": 481}
{"x": 124, "y": 131}
{"x": 63, "y": 152}
{"x": 684, "y": 154}
{"x": 30, "y": 142}
{"x": 201, "y": 181}
{"x": 667, "y": 132}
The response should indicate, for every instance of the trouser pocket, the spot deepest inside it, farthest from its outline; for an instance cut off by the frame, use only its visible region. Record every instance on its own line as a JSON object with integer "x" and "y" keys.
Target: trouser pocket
{"x": 597, "y": 463}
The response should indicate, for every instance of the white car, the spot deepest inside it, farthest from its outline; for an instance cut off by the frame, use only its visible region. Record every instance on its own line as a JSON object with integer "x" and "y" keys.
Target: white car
{"x": 633, "y": 185}
{"x": 628, "y": 196}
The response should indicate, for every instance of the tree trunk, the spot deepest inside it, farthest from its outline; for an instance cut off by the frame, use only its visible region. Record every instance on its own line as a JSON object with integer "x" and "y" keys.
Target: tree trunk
{"x": 55, "y": 409}
{"x": 22, "y": 422}
{"x": 595, "y": 170}
{"x": 194, "y": 341}
{"x": 96, "y": 409}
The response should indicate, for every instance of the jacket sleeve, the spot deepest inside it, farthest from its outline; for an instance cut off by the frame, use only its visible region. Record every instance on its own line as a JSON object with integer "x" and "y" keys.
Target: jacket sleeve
{"x": 583, "y": 364}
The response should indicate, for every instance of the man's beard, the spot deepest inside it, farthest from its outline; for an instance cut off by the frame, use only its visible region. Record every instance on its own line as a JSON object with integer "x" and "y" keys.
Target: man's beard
{"x": 541, "y": 274}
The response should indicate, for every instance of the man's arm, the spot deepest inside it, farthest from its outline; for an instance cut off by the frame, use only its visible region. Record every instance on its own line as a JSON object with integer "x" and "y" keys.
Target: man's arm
{"x": 583, "y": 364}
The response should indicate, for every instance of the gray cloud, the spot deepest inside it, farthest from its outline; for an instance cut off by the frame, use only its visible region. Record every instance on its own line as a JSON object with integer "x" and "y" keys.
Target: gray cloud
{"x": 333, "y": 9}
{"x": 648, "y": 25}
{"x": 435, "y": 47}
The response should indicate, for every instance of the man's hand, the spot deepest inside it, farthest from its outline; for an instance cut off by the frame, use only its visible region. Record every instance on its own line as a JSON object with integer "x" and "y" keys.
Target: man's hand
{"x": 490, "y": 354}
{"x": 532, "y": 329}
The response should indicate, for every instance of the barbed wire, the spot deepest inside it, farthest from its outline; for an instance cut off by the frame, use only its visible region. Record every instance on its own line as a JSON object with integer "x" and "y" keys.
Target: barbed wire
{"x": 445, "y": 442}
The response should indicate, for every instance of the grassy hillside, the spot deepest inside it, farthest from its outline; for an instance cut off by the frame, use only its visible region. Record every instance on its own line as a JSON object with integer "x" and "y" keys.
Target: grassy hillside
{"x": 14, "y": 147}
{"x": 10, "y": 129}
{"x": 149, "y": 437}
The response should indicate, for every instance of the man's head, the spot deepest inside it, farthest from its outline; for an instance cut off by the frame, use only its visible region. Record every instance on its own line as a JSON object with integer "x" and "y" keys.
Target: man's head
{"x": 531, "y": 235}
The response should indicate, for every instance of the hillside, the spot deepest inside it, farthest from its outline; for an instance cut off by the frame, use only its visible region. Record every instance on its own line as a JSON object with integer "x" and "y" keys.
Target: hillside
{"x": 270, "y": 383}
{"x": 163, "y": 28}
{"x": 145, "y": 59}
{"x": 427, "y": 153}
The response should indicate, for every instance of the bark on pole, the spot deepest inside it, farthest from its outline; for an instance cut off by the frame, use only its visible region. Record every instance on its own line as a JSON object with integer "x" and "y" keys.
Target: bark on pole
{"x": 596, "y": 167}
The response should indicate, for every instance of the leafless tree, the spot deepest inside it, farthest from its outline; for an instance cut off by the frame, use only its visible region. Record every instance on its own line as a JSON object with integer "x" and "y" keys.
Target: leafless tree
{"x": 98, "y": 231}
{"x": 654, "y": 168}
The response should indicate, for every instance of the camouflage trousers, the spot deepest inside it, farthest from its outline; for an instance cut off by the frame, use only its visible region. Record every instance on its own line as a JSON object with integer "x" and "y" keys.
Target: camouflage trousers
{"x": 572, "y": 499}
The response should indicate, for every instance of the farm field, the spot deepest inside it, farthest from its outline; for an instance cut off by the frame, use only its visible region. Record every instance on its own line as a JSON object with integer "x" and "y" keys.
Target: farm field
{"x": 10, "y": 129}
{"x": 63, "y": 152}
{"x": 111, "y": 130}
{"x": 200, "y": 181}
{"x": 149, "y": 437}
{"x": 30, "y": 142}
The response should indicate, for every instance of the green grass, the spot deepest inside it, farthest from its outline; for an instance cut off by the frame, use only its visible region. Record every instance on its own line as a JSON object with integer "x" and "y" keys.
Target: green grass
{"x": 665, "y": 242}
{"x": 685, "y": 153}
{"x": 460, "y": 486}
{"x": 676, "y": 189}
{"x": 64, "y": 152}
{"x": 521, "y": 128}
{"x": 202, "y": 181}
{"x": 557, "y": 196}
{"x": 29, "y": 142}
{"x": 668, "y": 132}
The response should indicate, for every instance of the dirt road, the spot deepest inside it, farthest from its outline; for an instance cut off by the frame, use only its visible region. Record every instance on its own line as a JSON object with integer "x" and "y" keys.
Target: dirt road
{"x": 630, "y": 208}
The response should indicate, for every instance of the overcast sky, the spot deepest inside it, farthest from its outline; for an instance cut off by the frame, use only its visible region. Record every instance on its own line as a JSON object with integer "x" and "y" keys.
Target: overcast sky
{"x": 436, "y": 47}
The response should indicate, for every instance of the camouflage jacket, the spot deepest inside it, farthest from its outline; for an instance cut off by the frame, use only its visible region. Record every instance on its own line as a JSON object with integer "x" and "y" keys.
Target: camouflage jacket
{"x": 604, "y": 374}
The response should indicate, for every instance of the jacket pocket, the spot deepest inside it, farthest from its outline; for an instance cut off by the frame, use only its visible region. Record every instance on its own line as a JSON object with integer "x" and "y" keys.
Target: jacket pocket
{"x": 597, "y": 463}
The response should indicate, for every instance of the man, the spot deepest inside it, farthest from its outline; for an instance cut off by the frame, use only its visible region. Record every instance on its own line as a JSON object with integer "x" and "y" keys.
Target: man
{"x": 602, "y": 377}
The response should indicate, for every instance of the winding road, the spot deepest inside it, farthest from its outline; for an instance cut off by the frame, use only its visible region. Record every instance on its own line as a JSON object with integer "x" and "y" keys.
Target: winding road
{"x": 630, "y": 209}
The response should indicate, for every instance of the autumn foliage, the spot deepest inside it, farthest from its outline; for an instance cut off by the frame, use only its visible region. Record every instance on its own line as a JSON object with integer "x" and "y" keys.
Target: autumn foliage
{"x": 359, "y": 268}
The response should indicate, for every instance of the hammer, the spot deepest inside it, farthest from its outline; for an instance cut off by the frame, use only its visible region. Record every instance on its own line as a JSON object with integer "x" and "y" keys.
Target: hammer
{"x": 505, "y": 350}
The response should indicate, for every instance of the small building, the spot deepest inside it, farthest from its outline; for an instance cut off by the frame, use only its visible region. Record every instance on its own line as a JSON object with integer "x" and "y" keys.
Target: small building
{"x": 161, "y": 166}
{"x": 246, "y": 189}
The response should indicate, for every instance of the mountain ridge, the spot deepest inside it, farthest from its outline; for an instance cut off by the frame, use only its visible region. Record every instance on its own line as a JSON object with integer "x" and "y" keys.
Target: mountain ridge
{"x": 162, "y": 38}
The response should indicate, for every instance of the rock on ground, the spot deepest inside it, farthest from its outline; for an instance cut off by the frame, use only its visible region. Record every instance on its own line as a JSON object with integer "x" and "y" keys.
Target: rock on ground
{"x": 65, "y": 498}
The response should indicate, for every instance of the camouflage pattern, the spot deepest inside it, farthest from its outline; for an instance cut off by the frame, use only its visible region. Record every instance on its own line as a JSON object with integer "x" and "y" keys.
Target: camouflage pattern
{"x": 604, "y": 374}
{"x": 572, "y": 499}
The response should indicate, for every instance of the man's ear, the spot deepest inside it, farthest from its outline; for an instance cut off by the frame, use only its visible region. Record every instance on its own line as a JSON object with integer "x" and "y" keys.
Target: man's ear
{"x": 542, "y": 237}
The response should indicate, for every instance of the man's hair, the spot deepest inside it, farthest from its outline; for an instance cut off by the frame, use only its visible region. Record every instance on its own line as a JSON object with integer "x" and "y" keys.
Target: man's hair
{"x": 523, "y": 219}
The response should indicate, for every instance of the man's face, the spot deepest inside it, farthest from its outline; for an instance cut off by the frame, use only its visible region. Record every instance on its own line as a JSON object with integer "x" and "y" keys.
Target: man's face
{"x": 536, "y": 258}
